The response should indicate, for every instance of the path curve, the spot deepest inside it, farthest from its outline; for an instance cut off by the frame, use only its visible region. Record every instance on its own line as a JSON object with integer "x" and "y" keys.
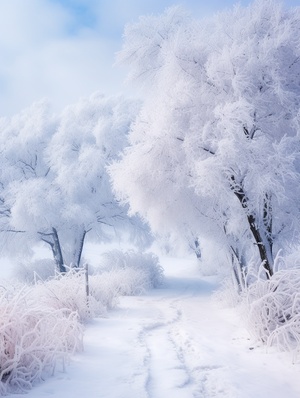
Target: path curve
{"x": 174, "y": 342}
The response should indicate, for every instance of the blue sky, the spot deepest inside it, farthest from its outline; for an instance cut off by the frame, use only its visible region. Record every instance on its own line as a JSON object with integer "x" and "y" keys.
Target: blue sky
{"x": 65, "y": 49}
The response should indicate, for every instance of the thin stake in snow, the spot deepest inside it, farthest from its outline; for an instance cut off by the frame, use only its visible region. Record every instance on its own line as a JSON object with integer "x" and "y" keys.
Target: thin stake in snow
{"x": 87, "y": 287}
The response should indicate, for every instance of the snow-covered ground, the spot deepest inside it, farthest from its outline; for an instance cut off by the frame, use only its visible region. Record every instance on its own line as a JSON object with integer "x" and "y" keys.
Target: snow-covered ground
{"x": 174, "y": 342}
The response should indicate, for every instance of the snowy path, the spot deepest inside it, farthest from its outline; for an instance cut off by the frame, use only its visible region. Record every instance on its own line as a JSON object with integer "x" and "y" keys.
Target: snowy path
{"x": 173, "y": 343}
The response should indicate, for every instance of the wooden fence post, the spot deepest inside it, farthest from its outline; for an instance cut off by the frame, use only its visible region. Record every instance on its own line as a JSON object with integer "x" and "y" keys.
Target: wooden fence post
{"x": 87, "y": 287}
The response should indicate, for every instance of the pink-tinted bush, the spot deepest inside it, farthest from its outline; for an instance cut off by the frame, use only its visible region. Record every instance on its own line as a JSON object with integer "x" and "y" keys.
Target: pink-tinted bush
{"x": 34, "y": 339}
{"x": 41, "y": 324}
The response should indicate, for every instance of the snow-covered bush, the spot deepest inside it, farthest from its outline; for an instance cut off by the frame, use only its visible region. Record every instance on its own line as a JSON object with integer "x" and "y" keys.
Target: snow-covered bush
{"x": 123, "y": 274}
{"x": 40, "y": 324}
{"x": 67, "y": 291}
{"x": 147, "y": 270}
{"x": 34, "y": 339}
{"x": 273, "y": 310}
{"x": 120, "y": 274}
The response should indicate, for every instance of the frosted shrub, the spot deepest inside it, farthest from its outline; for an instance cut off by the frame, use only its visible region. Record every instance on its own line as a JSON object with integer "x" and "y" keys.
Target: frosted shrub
{"x": 40, "y": 323}
{"x": 146, "y": 270}
{"x": 65, "y": 291}
{"x": 109, "y": 285}
{"x": 120, "y": 274}
{"x": 123, "y": 274}
{"x": 34, "y": 339}
{"x": 273, "y": 308}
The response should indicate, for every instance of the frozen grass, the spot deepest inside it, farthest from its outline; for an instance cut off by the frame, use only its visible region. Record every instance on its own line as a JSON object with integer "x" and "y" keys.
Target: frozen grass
{"x": 41, "y": 323}
{"x": 119, "y": 274}
{"x": 273, "y": 310}
{"x": 270, "y": 307}
{"x": 34, "y": 339}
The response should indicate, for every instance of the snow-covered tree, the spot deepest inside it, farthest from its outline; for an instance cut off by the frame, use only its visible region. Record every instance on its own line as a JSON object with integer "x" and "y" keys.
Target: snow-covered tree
{"x": 55, "y": 186}
{"x": 215, "y": 149}
{"x": 23, "y": 140}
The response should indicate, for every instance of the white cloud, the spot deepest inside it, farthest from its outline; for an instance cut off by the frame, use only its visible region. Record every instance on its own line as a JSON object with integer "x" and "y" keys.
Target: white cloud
{"x": 41, "y": 56}
{"x": 64, "y": 49}
{"x": 26, "y": 23}
{"x": 62, "y": 70}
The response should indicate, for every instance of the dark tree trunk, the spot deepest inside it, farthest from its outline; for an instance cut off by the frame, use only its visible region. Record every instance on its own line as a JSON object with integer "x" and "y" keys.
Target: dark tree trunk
{"x": 78, "y": 249}
{"x": 53, "y": 240}
{"x": 197, "y": 249}
{"x": 268, "y": 223}
{"x": 238, "y": 266}
{"x": 264, "y": 245}
{"x": 57, "y": 253}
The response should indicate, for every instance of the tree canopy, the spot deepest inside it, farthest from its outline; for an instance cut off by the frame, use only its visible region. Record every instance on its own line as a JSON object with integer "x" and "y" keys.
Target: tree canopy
{"x": 54, "y": 183}
{"x": 215, "y": 148}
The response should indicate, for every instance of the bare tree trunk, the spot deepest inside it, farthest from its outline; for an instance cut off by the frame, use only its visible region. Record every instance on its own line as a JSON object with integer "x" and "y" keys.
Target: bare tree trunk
{"x": 238, "y": 264}
{"x": 53, "y": 240}
{"x": 268, "y": 223}
{"x": 264, "y": 245}
{"x": 57, "y": 253}
{"x": 78, "y": 248}
{"x": 197, "y": 249}
{"x": 236, "y": 273}
{"x": 264, "y": 251}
